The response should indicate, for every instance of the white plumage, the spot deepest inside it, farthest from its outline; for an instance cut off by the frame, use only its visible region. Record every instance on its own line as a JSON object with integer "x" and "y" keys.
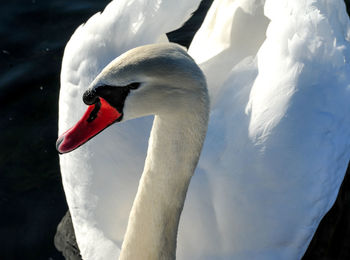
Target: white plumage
{"x": 278, "y": 141}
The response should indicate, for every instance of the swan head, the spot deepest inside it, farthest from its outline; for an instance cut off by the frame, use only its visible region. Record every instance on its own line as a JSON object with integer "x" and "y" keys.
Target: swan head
{"x": 157, "y": 79}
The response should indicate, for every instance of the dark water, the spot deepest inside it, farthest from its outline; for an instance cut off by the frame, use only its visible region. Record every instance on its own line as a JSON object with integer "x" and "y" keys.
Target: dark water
{"x": 33, "y": 34}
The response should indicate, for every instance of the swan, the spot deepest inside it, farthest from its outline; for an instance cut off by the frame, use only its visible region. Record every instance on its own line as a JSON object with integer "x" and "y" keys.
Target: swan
{"x": 277, "y": 143}
{"x": 163, "y": 80}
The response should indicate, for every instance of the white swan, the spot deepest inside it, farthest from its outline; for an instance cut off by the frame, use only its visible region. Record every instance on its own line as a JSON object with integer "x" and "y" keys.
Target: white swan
{"x": 278, "y": 139}
{"x": 161, "y": 80}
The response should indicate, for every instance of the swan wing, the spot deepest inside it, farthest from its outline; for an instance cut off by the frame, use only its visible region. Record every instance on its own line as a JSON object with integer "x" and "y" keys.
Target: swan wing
{"x": 278, "y": 140}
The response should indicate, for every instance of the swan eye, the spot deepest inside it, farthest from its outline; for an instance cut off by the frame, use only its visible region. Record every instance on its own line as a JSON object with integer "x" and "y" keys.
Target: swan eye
{"x": 134, "y": 85}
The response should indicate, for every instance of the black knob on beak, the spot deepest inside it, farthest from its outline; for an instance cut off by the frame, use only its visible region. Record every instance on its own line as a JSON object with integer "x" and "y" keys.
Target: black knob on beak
{"x": 90, "y": 97}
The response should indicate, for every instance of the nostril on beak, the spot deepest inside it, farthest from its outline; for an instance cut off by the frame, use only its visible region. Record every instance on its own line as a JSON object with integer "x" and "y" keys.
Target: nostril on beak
{"x": 90, "y": 97}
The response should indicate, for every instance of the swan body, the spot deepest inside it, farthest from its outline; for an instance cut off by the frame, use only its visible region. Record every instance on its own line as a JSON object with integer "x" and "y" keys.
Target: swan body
{"x": 278, "y": 137}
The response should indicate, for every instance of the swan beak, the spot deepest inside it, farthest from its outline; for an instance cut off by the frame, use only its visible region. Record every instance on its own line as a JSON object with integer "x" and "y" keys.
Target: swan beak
{"x": 97, "y": 117}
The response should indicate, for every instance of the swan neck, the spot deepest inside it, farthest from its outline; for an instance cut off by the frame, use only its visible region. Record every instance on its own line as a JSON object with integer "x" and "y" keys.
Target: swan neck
{"x": 173, "y": 153}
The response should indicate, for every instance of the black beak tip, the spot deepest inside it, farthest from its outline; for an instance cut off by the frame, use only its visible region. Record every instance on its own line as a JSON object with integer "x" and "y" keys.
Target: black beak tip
{"x": 58, "y": 143}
